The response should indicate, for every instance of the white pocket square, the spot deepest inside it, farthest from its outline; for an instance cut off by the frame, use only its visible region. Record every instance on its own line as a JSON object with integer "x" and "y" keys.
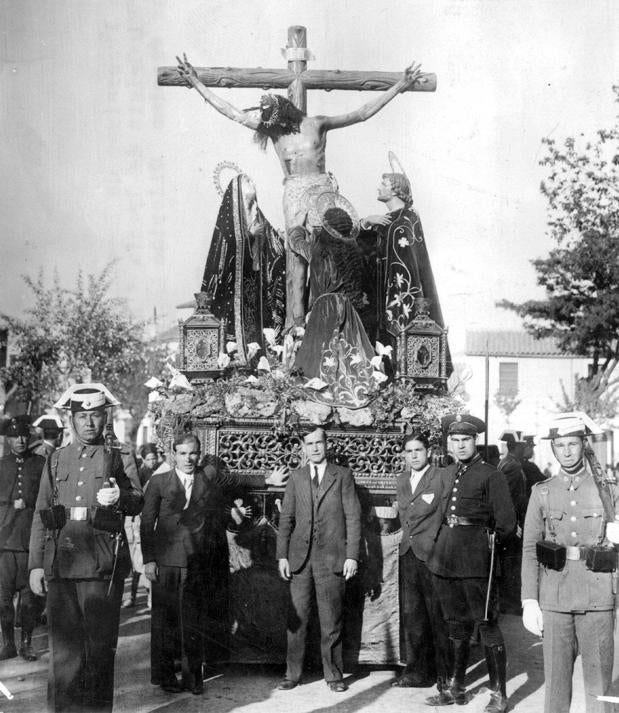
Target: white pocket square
{"x": 427, "y": 497}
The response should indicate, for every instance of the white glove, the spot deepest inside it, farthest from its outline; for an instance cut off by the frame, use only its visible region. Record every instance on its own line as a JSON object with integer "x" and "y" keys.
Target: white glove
{"x": 532, "y": 616}
{"x": 109, "y": 495}
{"x": 612, "y": 532}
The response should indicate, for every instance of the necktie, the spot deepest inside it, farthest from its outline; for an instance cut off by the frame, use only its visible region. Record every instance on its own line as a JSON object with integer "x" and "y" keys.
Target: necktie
{"x": 188, "y": 483}
{"x": 315, "y": 481}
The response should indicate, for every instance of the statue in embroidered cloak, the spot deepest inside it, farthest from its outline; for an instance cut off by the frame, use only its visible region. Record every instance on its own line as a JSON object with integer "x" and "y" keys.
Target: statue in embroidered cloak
{"x": 335, "y": 347}
{"x": 397, "y": 260}
{"x": 245, "y": 268}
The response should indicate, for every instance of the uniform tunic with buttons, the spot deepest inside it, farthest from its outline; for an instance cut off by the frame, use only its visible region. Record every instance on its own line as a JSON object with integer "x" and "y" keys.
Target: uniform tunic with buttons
{"x": 19, "y": 479}
{"x": 479, "y": 494}
{"x": 577, "y": 514}
{"x": 78, "y": 472}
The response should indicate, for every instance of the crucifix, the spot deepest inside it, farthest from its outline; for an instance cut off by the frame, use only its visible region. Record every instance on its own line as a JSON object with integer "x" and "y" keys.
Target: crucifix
{"x": 299, "y": 140}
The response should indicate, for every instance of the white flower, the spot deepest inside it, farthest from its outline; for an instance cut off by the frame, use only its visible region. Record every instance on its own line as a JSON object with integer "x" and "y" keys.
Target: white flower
{"x": 153, "y": 383}
{"x": 356, "y": 359}
{"x": 269, "y": 335}
{"x": 223, "y": 360}
{"x": 154, "y": 396}
{"x": 329, "y": 361}
{"x": 376, "y": 361}
{"x": 251, "y": 380}
{"x": 263, "y": 364}
{"x": 298, "y": 332}
{"x": 180, "y": 381}
{"x": 252, "y": 349}
{"x": 379, "y": 376}
{"x": 316, "y": 384}
{"x": 231, "y": 347}
{"x": 382, "y": 350}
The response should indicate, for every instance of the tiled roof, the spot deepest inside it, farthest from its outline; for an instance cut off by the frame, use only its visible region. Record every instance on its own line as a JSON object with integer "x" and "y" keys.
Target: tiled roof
{"x": 511, "y": 343}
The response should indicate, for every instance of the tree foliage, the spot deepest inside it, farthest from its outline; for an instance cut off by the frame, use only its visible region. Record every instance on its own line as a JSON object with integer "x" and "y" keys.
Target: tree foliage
{"x": 79, "y": 334}
{"x": 581, "y": 274}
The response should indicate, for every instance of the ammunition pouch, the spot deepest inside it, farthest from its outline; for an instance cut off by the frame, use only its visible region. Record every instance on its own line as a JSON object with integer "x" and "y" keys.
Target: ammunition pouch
{"x": 108, "y": 519}
{"x": 601, "y": 558}
{"x": 551, "y": 554}
{"x": 54, "y": 518}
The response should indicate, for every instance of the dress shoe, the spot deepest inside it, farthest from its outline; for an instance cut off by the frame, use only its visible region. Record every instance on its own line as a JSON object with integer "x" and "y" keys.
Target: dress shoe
{"x": 25, "y": 650}
{"x": 287, "y": 685}
{"x": 338, "y": 686}
{"x": 171, "y": 686}
{"x": 410, "y": 680}
{"x": 8, "y": 652}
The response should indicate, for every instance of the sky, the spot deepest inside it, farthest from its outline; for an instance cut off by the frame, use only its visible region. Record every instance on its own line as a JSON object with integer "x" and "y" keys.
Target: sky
{"x": 98, "y": 163}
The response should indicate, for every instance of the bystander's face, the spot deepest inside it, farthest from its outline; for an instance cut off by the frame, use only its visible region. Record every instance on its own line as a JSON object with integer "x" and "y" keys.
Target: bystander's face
{"x": 568, "y": 450}
{"x": 315, "y": 446}
{"x": 462, "y": 446}
{"x": 89, "y": 425}
{"x": 186, "y": 456}
{"x": 150, "y": 461}
{"x": 415, "y": 455}
{"x": 18, "y": 444}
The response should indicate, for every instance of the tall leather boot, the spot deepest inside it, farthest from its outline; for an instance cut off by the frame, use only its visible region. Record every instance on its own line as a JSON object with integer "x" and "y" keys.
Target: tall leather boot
{"x": 8, "y": 650}
{"x": 496, "y": 661}
{"x": 453, "y": 690}
{"x": 25, "y": 650}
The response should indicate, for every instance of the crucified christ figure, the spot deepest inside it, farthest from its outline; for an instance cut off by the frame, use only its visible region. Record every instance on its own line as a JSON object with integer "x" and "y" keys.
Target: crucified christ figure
{"x": 300, "y": 144}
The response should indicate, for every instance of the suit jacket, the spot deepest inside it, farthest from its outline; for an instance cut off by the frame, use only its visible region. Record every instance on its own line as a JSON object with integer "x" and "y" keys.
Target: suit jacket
{"x": 332, "y": 527}
{"x": 173, "y": 536}
{"x": 420, "y": 512}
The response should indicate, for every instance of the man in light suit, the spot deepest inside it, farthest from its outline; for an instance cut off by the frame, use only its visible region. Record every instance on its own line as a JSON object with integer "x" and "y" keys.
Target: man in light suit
{"x": 318, "y": 550}
{"x": 185, "y": 556}
{"x": 425, "y": 641}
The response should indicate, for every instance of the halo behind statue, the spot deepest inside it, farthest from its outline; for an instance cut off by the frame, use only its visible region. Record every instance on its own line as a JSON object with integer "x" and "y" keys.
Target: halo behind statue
{"x": 396, "y": 166}
{"x": 219, "y": 169}
{"x": 329, "y": 199}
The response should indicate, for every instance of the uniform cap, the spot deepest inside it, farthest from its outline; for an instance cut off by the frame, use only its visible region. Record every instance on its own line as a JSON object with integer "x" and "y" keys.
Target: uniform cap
{"x": 529, "y": 438}
{"x": 49, "y": 422}
{"x": 17, "y": 426}
{"x": 86, "y": 397}
{"x": 511, "y": 437}
{"x": 463, "y": 424}
{"x": 575, "y": 423}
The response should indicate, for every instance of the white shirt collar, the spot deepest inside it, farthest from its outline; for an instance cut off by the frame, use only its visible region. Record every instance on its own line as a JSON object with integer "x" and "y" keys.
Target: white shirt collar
{"x": 320, "y": 467}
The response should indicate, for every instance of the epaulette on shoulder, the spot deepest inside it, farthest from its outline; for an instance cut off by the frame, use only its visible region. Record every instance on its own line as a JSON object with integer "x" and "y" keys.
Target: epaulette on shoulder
{"x": 542, "y": 483}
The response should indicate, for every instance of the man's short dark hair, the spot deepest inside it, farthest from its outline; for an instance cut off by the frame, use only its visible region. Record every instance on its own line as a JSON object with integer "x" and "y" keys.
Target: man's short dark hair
{"x": 186, "y": 438}
{"x": 416, "y": 436}
{"x": 306, "y": 432}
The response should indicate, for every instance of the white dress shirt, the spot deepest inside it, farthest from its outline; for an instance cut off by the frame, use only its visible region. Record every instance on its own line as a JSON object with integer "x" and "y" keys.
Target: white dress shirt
{"x": 187, "y": 482}
{"x": 416, "y": 476}
{"x": 318, "y": 468}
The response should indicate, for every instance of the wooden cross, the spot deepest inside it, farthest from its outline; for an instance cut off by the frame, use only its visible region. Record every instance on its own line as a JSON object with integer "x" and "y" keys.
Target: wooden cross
{"x": 297, "y": 79}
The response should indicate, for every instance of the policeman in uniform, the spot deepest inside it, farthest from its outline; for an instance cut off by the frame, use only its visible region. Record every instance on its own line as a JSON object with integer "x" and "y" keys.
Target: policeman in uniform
{"x": 565, "y": 595}
{"x": 53, "y": 430}
{"x": 78, "y": 550}
{"x": 20, "y": 475}
{"x": 477, "y": 506}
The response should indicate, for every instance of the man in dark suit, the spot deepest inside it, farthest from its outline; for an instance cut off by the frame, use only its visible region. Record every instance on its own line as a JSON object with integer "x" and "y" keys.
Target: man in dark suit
{"x": 20, "y": 475}
{"x": 185, "y": 557}
{"x": 318, "y": 550}
{"x": 425, "y": 644}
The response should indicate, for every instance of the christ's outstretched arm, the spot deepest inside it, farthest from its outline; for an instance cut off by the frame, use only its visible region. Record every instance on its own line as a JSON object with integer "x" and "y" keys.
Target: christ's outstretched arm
{"x": 412, "y": 75}
{"x": 189, "y": 74}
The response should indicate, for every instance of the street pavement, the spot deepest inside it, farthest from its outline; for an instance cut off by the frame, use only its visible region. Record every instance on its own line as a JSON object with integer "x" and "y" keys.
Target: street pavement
{"x": 252, "y": 688}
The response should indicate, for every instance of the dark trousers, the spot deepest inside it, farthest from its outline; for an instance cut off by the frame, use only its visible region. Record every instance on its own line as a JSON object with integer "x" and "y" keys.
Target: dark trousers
{"x": 177, "y": 617}
{"x": 463, "y": 602}
{"x": 83, "y": 633}
{"x": 425, "y": 641}
{"x": 566, "y": 635}
{"x": 328, "y": 587}
{"x": 14, "y": 579}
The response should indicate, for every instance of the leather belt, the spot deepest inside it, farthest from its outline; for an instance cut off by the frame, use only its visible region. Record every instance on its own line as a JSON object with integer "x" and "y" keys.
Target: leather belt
{"x": 77, "y": 513}
{"x": 573, "y": 552}
{"x": 454, "y": 520}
